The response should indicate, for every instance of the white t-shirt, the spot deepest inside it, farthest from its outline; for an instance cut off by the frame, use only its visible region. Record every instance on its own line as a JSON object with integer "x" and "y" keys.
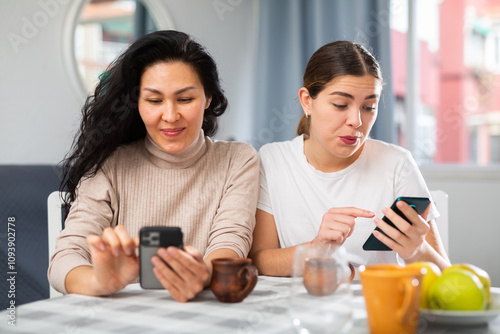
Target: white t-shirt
{"x": 298, "y": 195}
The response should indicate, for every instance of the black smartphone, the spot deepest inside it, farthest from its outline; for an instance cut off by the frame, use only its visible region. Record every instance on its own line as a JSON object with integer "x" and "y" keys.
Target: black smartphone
{"x": 152, "y": 238}
{"x": 420, "y": 204}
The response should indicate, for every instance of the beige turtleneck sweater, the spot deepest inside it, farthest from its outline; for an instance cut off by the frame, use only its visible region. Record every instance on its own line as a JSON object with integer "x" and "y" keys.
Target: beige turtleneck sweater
{"x": 210, "y": 190}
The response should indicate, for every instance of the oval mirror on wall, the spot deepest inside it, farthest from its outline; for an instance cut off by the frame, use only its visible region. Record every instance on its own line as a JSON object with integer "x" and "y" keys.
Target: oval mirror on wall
{"x": 104, "y": 29}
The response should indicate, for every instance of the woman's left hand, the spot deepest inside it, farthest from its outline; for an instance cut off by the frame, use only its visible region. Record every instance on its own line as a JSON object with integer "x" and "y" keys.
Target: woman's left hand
{"x": 187, "y": 274}
{"x": 410, "y": 241}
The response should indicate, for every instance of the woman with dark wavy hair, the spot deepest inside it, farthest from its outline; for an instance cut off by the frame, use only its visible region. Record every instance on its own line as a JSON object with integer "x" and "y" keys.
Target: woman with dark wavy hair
{"x": 329, "y": 185}
{"x": 143, "y": 157}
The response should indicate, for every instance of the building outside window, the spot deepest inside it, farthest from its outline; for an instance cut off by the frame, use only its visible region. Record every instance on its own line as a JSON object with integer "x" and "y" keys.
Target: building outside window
{"x": 457, "y": 116}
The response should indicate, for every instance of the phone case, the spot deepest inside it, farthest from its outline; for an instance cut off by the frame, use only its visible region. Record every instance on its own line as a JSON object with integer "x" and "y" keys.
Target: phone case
{"x": 151, "y": 239}
{"x": 420, "y": 204}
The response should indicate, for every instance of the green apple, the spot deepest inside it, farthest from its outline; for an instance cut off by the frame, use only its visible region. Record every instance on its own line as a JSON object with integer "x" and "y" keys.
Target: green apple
{"x": 457, "y": 290}
{"x": 430, "y": 272}
{"x": 481, "y": 273}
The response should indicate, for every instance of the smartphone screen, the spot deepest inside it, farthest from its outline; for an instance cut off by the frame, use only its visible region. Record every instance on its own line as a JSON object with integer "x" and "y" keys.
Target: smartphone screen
{"x": 151, "y": 239}
{"x": 420, "y": 204}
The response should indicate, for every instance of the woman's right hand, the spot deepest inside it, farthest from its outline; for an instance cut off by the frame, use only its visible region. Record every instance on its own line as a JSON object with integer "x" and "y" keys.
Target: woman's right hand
{"x": 338, "y": 224}
{"x": 114, "y": 260}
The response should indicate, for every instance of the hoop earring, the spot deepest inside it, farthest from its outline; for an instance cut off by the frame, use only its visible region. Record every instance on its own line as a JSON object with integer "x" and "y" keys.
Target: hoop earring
{"x": 307, "y": 115}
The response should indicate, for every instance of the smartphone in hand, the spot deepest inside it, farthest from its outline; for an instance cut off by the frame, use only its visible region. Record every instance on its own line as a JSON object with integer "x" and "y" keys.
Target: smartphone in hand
{"x": 420, "y": 204}
{"x": 151, "y": 239}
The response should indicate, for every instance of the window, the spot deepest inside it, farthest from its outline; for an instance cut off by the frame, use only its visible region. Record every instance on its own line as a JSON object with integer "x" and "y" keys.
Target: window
{"x": 454, "y": 67}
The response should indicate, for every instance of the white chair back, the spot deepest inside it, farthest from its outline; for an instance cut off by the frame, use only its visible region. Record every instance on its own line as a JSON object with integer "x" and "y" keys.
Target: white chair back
{"x": 440, "y": 199}
{"x": 55, "y": 225}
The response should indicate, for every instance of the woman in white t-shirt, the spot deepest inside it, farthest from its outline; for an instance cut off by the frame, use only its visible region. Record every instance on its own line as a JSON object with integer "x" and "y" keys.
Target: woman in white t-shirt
{"x": 332, "y": 183}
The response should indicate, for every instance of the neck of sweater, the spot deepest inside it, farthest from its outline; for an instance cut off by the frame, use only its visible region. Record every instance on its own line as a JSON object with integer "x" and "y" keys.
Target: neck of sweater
{"x": 180, "y": 160}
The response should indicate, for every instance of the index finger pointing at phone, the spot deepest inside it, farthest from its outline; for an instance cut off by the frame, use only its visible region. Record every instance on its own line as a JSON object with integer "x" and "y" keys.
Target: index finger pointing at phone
{"x": 354, "y": 212}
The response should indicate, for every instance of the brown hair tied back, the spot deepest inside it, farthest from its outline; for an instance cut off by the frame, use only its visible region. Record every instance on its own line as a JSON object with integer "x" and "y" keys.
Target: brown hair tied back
{"x": 332, "y": 61}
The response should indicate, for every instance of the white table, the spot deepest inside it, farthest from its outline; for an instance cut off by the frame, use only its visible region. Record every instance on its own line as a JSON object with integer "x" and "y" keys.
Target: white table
{"x": 134, "y": 310}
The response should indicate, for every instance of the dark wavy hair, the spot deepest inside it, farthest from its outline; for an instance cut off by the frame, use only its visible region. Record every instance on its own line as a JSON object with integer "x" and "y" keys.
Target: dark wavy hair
{"x": 333, "y": 60}
{"x": 110, "y": 117}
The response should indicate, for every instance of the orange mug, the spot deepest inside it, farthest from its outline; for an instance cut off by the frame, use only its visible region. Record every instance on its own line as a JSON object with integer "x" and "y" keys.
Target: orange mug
{"x": 233, "y": 279}
{"x": 392, "y": 297}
